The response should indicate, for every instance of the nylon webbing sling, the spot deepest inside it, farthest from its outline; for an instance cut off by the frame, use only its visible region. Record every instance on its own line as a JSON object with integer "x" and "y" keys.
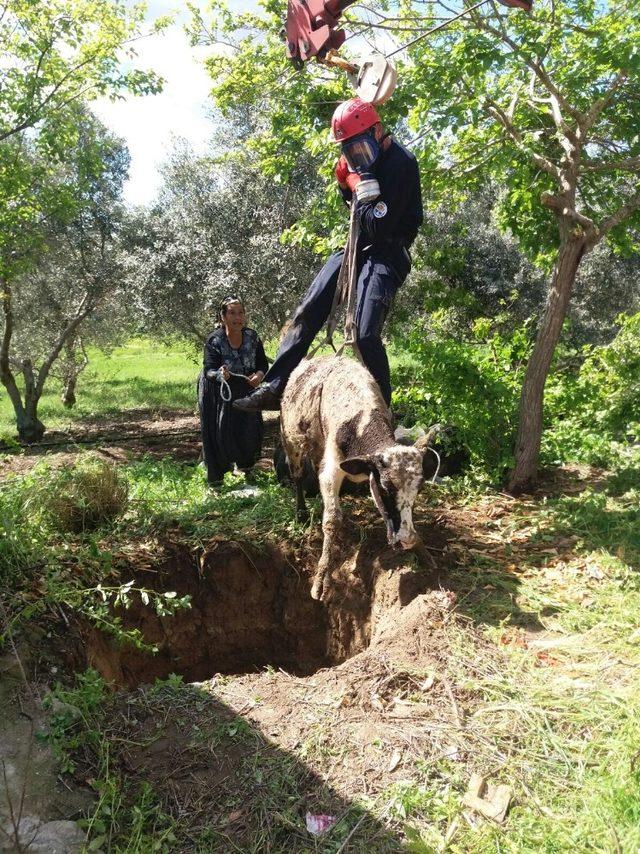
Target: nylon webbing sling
{"x": 346, "y": 293}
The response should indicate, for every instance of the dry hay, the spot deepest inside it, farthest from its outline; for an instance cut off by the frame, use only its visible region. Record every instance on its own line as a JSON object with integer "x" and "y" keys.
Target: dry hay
{"x": 87, "y": 494}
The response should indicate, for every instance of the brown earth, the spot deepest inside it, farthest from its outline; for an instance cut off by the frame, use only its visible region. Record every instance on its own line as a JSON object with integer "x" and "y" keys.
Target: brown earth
{"x": 251, "y": 608}
{"x": 134, "y": 433}
{"x": 293, "y": 705}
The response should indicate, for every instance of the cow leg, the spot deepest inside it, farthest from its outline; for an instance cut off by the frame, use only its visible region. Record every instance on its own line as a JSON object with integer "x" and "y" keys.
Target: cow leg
{"x": 302, "y": 513}
{"x": 330, "y": 479}
{"x": 296, "y": 470}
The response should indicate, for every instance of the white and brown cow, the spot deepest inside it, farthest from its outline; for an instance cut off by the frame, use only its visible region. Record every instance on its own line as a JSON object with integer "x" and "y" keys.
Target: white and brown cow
{"x": 333, "y": 414}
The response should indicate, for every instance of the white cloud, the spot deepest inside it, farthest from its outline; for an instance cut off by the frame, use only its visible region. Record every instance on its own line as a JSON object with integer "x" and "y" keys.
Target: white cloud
{"x": 149, "y": 124}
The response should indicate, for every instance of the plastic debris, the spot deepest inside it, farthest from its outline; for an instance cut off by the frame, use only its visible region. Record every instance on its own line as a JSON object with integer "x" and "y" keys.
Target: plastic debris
{"x": 319, "y": 824}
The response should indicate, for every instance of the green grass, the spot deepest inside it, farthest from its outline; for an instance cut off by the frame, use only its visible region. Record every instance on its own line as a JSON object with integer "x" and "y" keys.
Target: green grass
{"x": 559, "y": 720}
{"x": 164, "y": 494}
{"x": 143, "y": 374}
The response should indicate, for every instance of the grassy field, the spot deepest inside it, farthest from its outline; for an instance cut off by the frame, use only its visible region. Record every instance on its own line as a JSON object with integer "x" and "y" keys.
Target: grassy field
{"x": 143, "y": 374}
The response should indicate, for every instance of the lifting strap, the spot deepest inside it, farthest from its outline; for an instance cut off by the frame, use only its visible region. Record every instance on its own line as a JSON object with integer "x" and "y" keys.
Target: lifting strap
{"x": 346, "y": 293}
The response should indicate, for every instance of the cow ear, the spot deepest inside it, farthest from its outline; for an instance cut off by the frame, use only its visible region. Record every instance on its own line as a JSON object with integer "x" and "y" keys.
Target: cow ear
{"x": 357, "y": 465}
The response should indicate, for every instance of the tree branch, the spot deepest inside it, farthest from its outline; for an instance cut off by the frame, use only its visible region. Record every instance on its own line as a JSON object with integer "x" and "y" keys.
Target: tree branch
{"x": 544, "y": 78}
{"x": 559, "y": 205}
{"x": 540, "y": 161}
{"x": 629, "y": 164}
{"x": 81, "y": 312}
{"x": 34, "y": 116}
{"x": 7, "y": 309}
{"x": 624, "y": 211}
{"x": 598, "y": 106}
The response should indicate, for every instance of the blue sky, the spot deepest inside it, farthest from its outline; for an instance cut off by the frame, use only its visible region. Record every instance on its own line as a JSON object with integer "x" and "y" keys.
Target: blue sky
{"x": 149, "y": 124}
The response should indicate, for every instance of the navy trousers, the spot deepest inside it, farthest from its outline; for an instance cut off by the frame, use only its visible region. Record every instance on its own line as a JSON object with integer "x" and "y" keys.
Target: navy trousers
{"x": 378, "y": 281}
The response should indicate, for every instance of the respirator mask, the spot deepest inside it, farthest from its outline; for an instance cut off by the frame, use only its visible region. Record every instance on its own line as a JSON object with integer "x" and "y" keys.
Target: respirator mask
{"x": 361, "y": 153}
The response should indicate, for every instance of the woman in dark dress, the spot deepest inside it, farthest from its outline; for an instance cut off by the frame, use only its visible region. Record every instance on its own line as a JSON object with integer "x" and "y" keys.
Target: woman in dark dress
{"x": 229, "y": 436}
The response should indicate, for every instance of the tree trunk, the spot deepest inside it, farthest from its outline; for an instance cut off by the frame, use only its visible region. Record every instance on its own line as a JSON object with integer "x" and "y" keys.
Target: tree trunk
{"x": 527, "y": 446}
{"x": 68, "y": 396}
{"x": 72, "y": 367}
{"x": 30, "y": 428}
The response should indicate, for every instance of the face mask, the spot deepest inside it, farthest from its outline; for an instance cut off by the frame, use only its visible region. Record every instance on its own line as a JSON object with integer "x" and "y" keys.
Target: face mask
{"x": 361, "y": 152}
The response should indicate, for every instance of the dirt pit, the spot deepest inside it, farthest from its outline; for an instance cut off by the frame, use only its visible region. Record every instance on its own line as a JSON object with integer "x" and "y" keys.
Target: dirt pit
{"x": 252, "y": 609}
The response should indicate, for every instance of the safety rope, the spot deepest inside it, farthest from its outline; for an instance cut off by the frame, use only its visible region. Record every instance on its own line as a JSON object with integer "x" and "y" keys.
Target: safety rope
{"x": 435, "y": 29}
{"x": 225, "y": 388}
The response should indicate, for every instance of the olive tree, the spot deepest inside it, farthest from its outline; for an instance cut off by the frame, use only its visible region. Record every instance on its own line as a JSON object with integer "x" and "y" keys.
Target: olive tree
{"x": 215, "y": 230}
{"x": 76, "y": 270}
{"x": 56, "y": 56}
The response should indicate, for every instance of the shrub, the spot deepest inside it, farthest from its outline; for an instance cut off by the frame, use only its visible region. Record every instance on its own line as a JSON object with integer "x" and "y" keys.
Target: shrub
{"x": 87, "y": 494}
{"x": 473, "y": 384}
{"x": 592, "y": 397}
{"x": 590, "y": 409}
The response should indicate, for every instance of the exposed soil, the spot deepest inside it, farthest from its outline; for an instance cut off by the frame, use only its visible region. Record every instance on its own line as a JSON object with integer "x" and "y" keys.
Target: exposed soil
{"x": 354, "y": 677}
{"x": 133, "y": 433}
{"x": 295, "y": 706}
{"x": 252, "y": 608}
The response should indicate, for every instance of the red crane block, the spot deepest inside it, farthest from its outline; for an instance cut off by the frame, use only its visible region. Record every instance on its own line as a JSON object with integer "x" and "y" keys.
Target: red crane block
{"x": 310, "y": 28}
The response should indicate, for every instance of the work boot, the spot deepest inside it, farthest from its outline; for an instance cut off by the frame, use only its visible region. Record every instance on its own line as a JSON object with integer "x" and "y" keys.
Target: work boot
{"x": 262, "y": 398}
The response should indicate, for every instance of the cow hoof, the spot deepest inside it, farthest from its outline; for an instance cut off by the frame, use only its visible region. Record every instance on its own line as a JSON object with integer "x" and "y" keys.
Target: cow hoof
{"x": 319, "y": 584}
{"x": 316, "y": 591}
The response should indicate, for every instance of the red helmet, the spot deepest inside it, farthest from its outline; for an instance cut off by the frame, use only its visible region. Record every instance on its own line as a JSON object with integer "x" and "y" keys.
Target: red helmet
{"x": 351, "y": 118}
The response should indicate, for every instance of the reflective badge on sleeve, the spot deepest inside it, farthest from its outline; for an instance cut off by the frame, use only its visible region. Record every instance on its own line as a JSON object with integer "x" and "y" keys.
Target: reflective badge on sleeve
{"x": 380, "y": 210}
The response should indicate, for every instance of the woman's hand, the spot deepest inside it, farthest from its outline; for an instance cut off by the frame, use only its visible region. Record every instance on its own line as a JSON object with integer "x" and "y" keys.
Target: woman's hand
{"x": 225, "y": 372}
{"x": 255, "y": 379}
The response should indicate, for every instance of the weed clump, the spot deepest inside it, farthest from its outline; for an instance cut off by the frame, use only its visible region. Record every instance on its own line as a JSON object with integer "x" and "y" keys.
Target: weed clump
{"x": 87, "y": 494}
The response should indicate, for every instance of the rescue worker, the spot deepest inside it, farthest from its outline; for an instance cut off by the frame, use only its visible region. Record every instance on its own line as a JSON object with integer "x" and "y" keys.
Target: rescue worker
{"x": 381, "y": 177}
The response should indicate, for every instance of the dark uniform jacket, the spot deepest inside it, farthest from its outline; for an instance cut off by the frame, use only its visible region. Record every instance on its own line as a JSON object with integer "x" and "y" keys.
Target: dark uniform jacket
{"x": 390, "y": 224}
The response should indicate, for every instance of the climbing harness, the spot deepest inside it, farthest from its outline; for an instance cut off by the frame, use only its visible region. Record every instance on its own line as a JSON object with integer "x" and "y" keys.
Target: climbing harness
{"x": 225, "y": 388}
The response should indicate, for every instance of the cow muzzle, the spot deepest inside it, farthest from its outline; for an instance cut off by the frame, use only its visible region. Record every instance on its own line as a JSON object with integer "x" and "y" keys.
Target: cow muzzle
{"x": 402, "y": 539}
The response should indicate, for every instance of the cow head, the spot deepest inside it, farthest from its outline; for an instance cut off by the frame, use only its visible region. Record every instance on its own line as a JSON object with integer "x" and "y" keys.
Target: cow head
{"x": 395, "y": 477}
